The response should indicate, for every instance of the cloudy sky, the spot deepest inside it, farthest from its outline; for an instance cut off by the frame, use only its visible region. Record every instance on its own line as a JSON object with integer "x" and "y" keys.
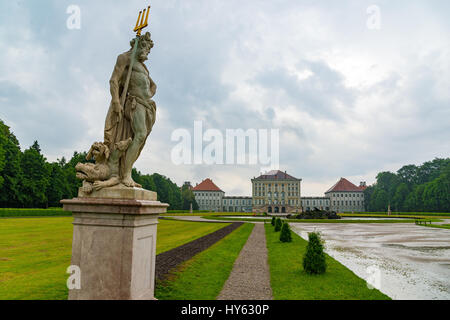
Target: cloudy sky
{"x": 349, "y": 99}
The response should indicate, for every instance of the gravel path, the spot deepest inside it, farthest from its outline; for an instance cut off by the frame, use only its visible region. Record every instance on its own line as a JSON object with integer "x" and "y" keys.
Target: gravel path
{"x": 250, "y": 277}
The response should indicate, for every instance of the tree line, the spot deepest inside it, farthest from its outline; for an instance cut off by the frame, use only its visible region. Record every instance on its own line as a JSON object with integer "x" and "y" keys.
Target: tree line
{"x": 28, "y": 180}
{"x": 412, "y": 188}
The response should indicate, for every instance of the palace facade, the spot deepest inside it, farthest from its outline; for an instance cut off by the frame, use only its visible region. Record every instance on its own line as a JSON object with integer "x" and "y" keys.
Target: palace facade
{"x": 277, "y": 192}
{"x": 208, "y": 196}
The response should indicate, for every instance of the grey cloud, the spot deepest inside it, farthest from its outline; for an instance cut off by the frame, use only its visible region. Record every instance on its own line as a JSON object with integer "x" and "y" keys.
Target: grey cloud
{"x": 317, "y": 94}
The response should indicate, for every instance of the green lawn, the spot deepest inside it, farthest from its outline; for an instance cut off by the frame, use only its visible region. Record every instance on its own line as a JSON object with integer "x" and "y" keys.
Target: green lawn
{"x": 35, "y": 253}
{"x": 203, "y": 277}
{"x": 290, "y": 282}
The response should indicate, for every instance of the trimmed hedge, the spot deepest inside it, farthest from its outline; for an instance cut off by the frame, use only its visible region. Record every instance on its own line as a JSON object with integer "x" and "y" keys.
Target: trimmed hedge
{"x": 53, "y": 212}
{"x": 278, "y": 224}
{"x": 285, "y": 235}
{"x": 314, "y": 258}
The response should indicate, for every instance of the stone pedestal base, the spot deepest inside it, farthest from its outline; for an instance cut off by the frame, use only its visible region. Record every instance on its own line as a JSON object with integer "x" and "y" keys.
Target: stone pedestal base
{"x": 114, "y": 244}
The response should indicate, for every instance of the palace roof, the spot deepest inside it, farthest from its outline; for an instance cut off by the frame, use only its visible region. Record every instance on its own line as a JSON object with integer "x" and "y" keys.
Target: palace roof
{"x": 344, "y": 185}
{"x": 206, "y": 185}
{"x": 276, "y": 174}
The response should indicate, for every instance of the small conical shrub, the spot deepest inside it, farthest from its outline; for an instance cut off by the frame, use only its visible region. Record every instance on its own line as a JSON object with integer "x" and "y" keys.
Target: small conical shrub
{"x": 285, "y": 235}
{"x": 278, "y": 224}
{"x": 314, "y": 259}
{"x": 273, "y": 221}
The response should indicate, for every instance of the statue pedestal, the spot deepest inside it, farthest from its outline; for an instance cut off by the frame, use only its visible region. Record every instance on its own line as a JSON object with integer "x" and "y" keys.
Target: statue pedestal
{"x": 114, "y": 243}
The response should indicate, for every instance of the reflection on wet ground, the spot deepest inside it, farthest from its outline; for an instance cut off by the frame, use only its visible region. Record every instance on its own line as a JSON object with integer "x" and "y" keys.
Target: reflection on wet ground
{"x": 414, "y": 261}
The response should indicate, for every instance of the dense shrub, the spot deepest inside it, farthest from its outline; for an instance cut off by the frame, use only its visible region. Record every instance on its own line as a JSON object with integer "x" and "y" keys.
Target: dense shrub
{"x": 314, "y": 259}
{"x": 273, "y": 221}
{"x": 285, "y": 235}
{"x": 278, "y": 224}
{"x": 33, "y": 212}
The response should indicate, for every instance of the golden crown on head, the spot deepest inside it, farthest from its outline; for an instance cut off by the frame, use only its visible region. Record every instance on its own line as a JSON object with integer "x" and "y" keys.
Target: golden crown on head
{"x": 142, "y": 21}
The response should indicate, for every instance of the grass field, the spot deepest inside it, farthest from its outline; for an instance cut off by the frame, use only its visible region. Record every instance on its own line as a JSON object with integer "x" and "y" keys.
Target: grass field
{"x": 290, "y": 282}
{"x": 35, "y": 253}
{"x": 203, "y": 277}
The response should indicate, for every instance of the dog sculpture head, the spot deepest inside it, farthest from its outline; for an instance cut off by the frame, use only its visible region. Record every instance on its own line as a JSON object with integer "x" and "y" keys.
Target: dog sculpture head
{"x": 99, "y": 152}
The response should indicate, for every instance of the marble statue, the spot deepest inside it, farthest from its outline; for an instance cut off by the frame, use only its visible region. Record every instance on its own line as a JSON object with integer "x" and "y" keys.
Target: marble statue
{"x": 129, "y": 121}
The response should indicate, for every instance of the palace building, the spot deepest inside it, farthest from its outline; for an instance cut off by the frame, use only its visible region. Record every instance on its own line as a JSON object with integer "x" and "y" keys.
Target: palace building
{"x": 346, "y": 197}
{"x": 208, "y": 196}
{"x": 237, "y": 204}
{"x": 321, "y": 203}
{"x": 276, "y": 192}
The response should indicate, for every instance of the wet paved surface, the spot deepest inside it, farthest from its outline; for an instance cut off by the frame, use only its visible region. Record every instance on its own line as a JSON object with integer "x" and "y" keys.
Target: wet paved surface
{"x": 414, "y": 261}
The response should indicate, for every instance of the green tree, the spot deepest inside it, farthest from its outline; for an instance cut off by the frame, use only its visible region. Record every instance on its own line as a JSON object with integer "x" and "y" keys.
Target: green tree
{"x": 314, "y": 258}
{"x": 285, "y": 235}
{"x": 379, "y": 201}
{"x": 368, "y": 198}
{"x": 278, "y": 225}
{"x": 414, "y": 200}
{"x": 35, "y": 178}
{"x": 3, "y": 142}
{"x": 413, "y": 188}
{"x": 10, "y": 170}
{"x": 388, "y": 182}
{"x": 188, "y": 197}
{"x": 436, "y": 195}
{"x": 58, "y": 188}
{"x": 408, "y": 174}
{"x": 398, "y": 201}
{"x": 431, "y": 170}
